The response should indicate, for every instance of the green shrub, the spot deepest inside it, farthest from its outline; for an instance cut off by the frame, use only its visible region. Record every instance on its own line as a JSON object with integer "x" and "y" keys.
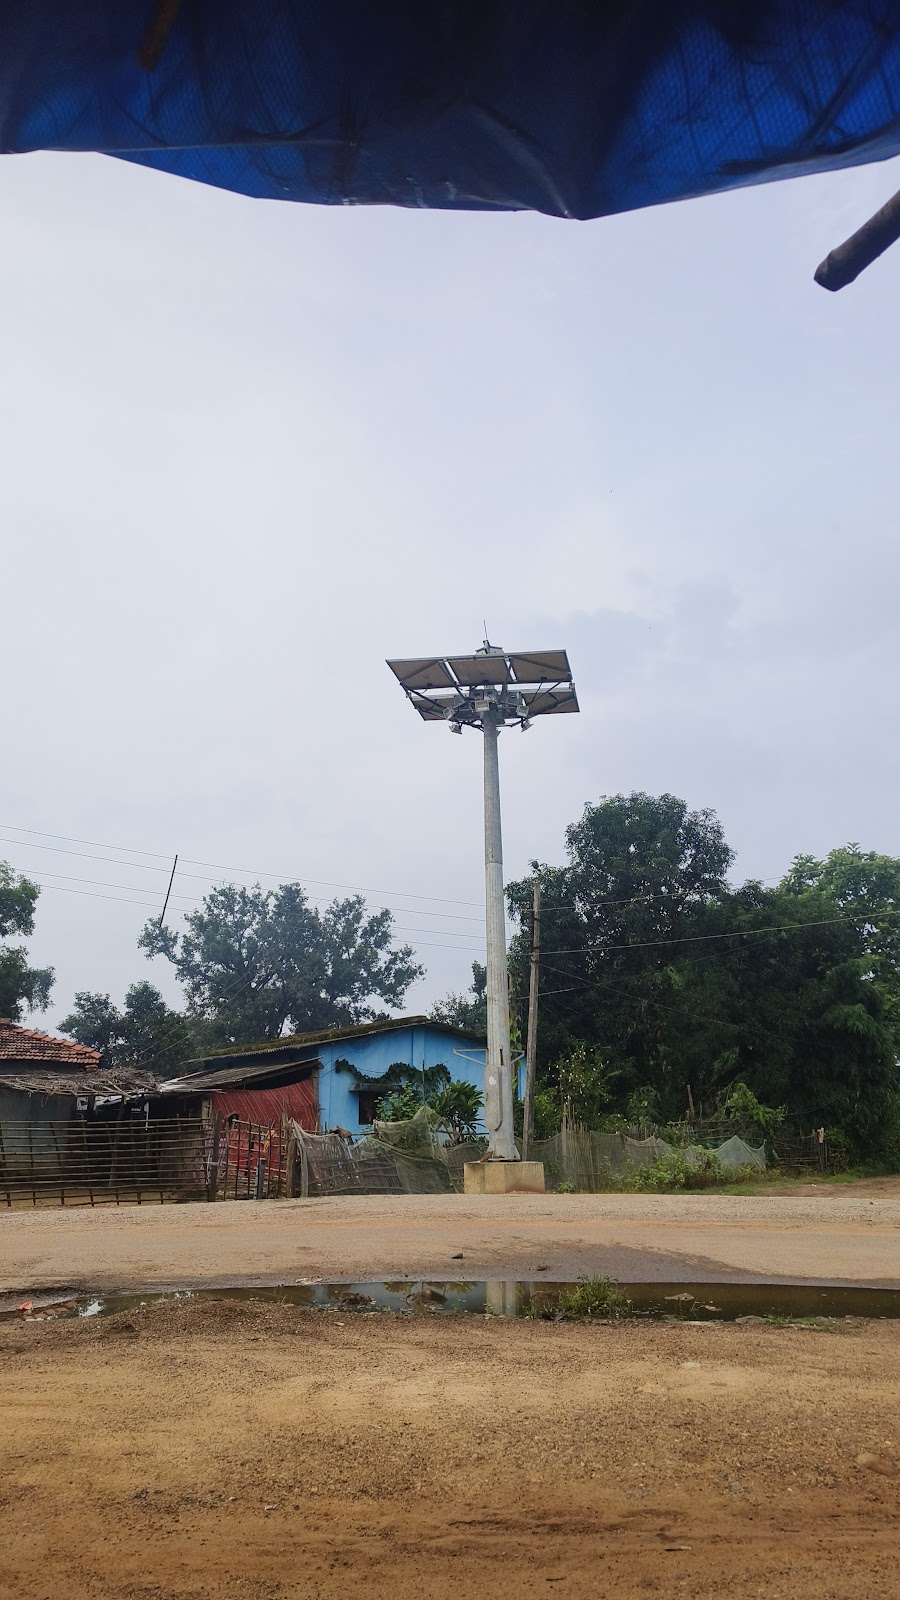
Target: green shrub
{"x": 743, "y": 1107}
{"x": 671, "y": 1173}
{"x": 642, "y": 1107}
{"x": 401, "y": 1105}
{"x": 457, "y": 1107}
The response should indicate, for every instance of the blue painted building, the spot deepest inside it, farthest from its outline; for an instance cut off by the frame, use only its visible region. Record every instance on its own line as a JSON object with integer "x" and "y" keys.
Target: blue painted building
{"x": 334, "y": 1078}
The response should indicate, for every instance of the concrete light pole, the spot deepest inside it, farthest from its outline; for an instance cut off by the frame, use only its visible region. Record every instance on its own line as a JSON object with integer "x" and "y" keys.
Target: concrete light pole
{"x": 498, "y": 1069}
{"x": 489, "y": 690}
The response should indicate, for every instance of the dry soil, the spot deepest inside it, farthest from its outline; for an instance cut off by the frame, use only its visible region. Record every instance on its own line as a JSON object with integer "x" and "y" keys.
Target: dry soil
{"x": 239, "y": 1452}
{"x": 833, "y": 1237}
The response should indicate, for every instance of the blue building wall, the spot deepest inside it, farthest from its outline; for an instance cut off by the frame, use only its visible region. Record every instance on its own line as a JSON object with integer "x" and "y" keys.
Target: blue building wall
{"x": 373, "y": 1054}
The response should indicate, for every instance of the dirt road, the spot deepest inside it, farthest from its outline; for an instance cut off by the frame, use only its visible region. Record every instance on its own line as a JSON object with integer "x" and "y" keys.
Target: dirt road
{"x": 631, "y": 1237}
{"x": 216, "y": 1451}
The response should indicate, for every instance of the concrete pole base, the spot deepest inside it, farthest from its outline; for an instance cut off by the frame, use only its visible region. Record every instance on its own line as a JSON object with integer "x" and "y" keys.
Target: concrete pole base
{"x": 503, "y": 1177}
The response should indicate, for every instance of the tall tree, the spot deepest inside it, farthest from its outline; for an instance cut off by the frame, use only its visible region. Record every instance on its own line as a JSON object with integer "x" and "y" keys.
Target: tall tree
{"x": 254, "y": 963}
{"x": 644, "y": 876}
{"x": 790, "y": 1001}
{"x": 22, "y": 987}
{"x": 146, "y": 1034}
{"x": 866, "y": 888}
{"x": 657, "y": 977}
{"x": 465, "y": 1010}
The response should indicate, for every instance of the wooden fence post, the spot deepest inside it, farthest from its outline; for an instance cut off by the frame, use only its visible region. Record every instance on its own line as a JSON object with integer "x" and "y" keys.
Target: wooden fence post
{"x": 212, "y": 1175}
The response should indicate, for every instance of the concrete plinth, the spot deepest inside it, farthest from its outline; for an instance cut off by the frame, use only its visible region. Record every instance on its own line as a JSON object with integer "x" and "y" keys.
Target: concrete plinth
{"x": 503, "y": 1177}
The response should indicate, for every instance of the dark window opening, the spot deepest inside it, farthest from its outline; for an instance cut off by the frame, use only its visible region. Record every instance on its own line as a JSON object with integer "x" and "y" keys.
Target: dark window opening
{"x": 369, "y": 1102}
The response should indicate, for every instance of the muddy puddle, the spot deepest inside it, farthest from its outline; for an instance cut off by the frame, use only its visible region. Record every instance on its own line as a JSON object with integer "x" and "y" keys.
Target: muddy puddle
{"x": 503, "y": 1297}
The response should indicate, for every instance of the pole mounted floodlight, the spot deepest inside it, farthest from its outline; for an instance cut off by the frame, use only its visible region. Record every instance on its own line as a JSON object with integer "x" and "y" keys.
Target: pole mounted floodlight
{"x": 490, "y": 690}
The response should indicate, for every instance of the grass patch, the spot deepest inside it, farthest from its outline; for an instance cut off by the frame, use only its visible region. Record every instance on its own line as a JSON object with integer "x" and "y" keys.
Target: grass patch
{"x": 774, "y": 1178}
{"x": 588, "y": 1299}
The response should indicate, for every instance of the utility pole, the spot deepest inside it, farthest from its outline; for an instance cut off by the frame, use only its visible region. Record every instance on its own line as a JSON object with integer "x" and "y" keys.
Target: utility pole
{"x": 498, "y": 1079}
{"x": 162, "y": 915}
{"x": 534, "y": 970}
{"x": 488, "y": 691}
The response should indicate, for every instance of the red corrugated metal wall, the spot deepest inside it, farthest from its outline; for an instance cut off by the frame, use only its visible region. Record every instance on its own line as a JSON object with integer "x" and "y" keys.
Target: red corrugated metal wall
{"x": 267, "y": 1106}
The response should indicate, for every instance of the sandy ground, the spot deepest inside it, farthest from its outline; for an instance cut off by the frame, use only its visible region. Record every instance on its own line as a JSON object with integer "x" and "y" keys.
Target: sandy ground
{"x": 220, "y": 1451}
{"x": 849, "y": 1239}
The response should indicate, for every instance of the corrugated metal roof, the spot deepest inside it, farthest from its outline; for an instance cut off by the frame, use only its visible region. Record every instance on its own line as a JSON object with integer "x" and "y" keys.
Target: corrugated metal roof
{"x": 294, "y": 1042}
{"x": 236, "y": 1077}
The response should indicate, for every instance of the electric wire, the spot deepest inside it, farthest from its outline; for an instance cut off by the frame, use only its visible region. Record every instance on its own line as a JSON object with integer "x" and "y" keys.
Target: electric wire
{"x": 219, "y": 866}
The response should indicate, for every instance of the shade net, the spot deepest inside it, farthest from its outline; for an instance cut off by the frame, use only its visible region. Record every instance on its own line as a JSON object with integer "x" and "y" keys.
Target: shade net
{"x": 398, "y": 1158}
{"x": 593, "y": 1160}
{"x": 578, "y": 108}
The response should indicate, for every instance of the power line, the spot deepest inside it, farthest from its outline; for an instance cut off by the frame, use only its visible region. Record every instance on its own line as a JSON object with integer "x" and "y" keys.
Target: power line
{"x": 218, "y": 866}
{"x": 151, "y": 905}
{"x": 200, "y": 877}
{"x": 560, "y": 905}
{"x": 130, "y": 888}
{"x": 355, "y": 888}
{"x": 100, "y": 883}
{"x": 639, "y": 899}
{"x": 98, "y": 843}
{"x": 707, "y": 938}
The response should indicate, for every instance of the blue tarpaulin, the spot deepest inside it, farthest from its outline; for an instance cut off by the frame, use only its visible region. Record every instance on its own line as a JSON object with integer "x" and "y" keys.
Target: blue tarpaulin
{"x": 578, "y": 108}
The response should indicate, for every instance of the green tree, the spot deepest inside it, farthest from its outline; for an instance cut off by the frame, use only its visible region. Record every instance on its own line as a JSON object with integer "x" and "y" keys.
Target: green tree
{"x": 812, "y": 1016}
{"x": 465, "y": 1010}
{"x": 865, "y": 887}
{"x": 22, "y": 987}
{"x": 254, "y": 963}
{"x": 645, "y": 875}
{"x": 146, "y": 1034}
{"x": 661, "y": 982}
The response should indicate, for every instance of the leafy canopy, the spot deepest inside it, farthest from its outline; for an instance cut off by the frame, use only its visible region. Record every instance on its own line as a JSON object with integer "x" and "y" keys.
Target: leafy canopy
{"x": 22, "y": 987}
{"x": 254, "y": 963}
{"x": 663, "y": 986}
{"x": 145, "y": 1034}
{"x": 465, "y": 1010}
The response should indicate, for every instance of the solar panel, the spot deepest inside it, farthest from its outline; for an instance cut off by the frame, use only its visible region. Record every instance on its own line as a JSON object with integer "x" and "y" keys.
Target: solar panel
{"x": 547, "y": 701}
{"x": 422, "y": 672}
{"x": 541, "y": 666}
{"x": 505, "y": 677}
{"x": 479, "y": 668}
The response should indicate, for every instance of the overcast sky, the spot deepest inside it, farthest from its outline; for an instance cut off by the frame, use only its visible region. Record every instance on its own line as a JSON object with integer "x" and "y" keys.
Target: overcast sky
{"x": 249, "y": 449}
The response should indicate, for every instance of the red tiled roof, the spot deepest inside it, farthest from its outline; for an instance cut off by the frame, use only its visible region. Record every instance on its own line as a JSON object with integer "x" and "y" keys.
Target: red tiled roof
{"x": 24, "y": 1044}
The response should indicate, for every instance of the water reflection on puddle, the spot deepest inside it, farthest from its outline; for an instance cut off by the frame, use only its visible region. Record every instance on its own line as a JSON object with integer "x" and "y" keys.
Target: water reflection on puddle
{"x": 511, "y": 1297}
{"x": 498, "y": 1297}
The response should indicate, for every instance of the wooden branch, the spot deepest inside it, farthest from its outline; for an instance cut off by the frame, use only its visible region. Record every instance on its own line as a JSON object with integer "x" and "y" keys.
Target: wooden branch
{"x": 862, "y": 248}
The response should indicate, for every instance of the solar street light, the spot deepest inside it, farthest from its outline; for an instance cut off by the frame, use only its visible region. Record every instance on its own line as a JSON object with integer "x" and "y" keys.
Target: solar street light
{"x": 487, "y": 691}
